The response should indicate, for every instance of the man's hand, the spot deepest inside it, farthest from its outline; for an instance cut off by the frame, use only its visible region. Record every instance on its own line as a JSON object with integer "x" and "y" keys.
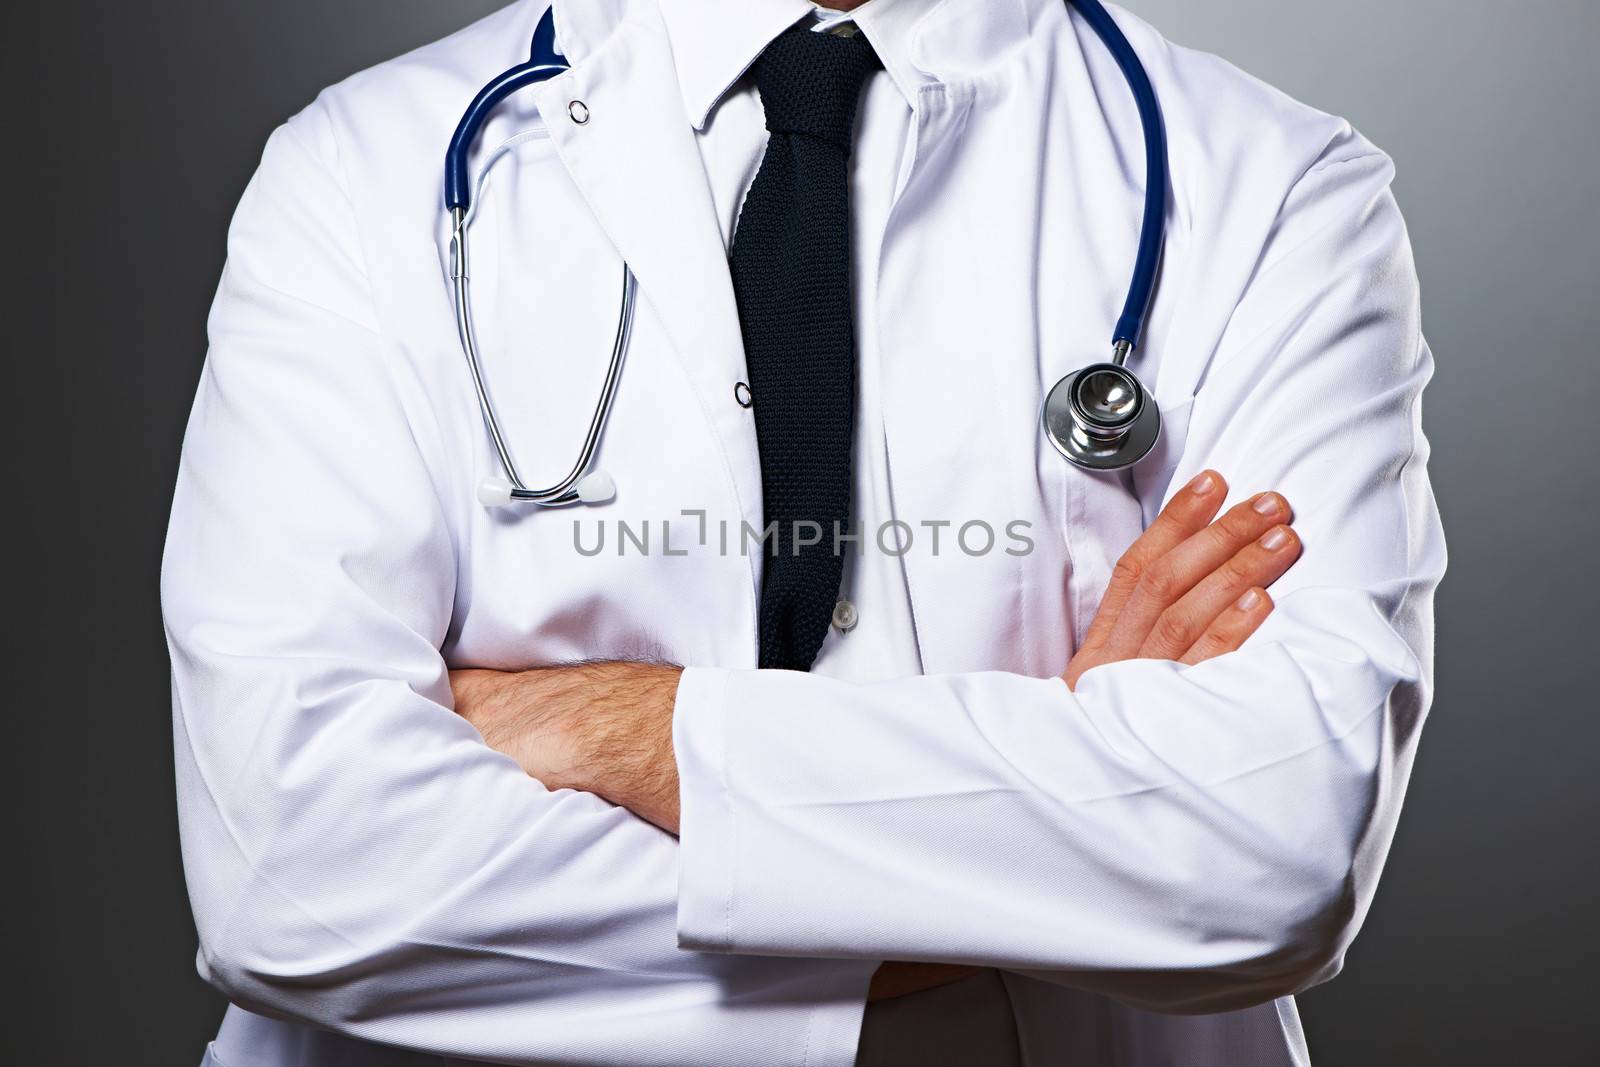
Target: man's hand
{"x": 603, "y": 728}
{"x": 1190, "y": 589}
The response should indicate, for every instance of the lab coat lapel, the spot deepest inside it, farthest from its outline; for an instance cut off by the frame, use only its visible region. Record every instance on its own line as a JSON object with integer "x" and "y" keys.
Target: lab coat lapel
{"x": 635, "y": 160}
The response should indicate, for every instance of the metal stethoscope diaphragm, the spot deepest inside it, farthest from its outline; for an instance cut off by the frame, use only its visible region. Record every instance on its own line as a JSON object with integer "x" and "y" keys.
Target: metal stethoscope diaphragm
{"x": 1101, "y": 417}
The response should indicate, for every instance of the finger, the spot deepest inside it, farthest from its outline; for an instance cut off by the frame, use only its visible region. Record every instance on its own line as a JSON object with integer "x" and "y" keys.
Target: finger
{"x": 1260, "y": 563}
{"x": 1166, "y": 580}
{"x": 1229, "y": 630}
{"x": 1185, "y": 514}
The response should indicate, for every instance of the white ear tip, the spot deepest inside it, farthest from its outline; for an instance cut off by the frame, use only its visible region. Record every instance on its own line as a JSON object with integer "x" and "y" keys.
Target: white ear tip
{"x": 596, "y": 487}
{"x": 494, "y": 492}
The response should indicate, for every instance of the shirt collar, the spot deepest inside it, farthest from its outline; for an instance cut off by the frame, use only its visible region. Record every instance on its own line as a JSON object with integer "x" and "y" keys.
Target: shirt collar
{"x": 714, "y": 42}
{"x": 918, "y": 41}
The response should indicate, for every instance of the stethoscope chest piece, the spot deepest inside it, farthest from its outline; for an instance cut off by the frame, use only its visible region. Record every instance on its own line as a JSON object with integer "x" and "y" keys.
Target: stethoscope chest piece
{"x": 1101, "y": 418}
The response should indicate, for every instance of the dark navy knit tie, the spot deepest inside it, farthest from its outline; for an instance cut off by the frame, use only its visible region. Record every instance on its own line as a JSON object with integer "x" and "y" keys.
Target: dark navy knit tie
{"x": 791, "y": 276}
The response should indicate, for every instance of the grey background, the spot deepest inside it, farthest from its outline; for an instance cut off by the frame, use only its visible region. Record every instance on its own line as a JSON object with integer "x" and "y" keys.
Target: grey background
{"x": 133, "y": 128}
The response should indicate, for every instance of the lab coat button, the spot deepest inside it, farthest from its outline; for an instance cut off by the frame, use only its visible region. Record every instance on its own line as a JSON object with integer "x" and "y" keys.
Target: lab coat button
{"x": 578, "y": 111}
{"x": 845, "y": 616}
{"x": 741, "y": 394}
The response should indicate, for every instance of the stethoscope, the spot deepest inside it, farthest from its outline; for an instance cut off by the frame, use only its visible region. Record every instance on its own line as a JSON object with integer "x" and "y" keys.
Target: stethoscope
{"x": 584, "y": 483}
{"x": 1100, "y": 417}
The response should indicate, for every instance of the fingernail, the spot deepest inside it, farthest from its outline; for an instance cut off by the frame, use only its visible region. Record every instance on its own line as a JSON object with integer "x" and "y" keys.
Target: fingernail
{"x": 1249, "y": 601}
{"x": 1203, "y": 483}
{"x": 1275, "y": 539}
{"x": 1267, "y": 503}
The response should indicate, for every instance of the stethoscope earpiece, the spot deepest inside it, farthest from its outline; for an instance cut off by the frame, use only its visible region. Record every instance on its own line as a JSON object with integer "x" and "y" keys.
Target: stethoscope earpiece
{"x": 494, "y": 492}
{"x": 596, "y": 487}
{"x": 1101, "y": 417}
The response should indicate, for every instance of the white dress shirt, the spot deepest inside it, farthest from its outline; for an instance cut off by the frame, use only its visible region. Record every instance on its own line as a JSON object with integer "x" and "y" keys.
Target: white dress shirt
{"x": 971, "y": 1022}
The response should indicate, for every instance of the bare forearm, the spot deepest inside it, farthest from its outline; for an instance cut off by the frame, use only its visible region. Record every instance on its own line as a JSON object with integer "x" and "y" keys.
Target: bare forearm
{"x": 601, "y": 727}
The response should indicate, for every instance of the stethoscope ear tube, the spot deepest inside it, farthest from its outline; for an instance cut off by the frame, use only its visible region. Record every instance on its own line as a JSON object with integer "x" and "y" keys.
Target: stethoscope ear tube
{"x": 581, "y": 485}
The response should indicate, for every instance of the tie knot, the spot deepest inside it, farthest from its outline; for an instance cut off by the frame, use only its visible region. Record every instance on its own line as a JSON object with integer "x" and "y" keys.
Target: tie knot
{"x": 810, "y": 81}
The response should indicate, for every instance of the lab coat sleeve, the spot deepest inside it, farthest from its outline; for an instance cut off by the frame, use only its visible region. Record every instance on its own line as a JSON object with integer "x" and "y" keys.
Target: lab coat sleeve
{"x": 1183, "y": 838}
{"x": 357, "y": 858}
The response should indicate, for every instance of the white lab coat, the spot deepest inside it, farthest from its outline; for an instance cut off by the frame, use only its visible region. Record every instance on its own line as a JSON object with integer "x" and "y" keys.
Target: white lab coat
{"x": 1156, "y": 862}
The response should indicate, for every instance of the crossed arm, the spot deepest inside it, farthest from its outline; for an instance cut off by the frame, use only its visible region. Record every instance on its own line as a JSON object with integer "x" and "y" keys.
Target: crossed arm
{"x": 1188, "y": 590}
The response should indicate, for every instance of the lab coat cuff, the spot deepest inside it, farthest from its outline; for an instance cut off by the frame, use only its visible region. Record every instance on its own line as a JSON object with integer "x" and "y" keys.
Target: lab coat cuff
{"x": 707, "y": 861}
{"x": 707, "y": 835}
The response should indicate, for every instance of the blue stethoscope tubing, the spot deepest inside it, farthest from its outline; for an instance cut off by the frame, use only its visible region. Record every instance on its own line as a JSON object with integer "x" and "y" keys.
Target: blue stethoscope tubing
{"x": 1153, "y": 226}
{"x": 544, "y": 62}
{"x": 1100, "y": 417}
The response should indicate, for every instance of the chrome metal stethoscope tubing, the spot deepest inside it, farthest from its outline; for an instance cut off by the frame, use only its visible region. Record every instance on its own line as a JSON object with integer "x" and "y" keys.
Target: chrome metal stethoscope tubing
{"x": 608, "y": 390}
{"x": 562, "y": 492}
{"x": 459, "y": 272}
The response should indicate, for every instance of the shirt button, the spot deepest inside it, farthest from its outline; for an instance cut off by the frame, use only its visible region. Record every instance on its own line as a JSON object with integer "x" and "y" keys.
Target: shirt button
{"x": 845, "y": 616}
